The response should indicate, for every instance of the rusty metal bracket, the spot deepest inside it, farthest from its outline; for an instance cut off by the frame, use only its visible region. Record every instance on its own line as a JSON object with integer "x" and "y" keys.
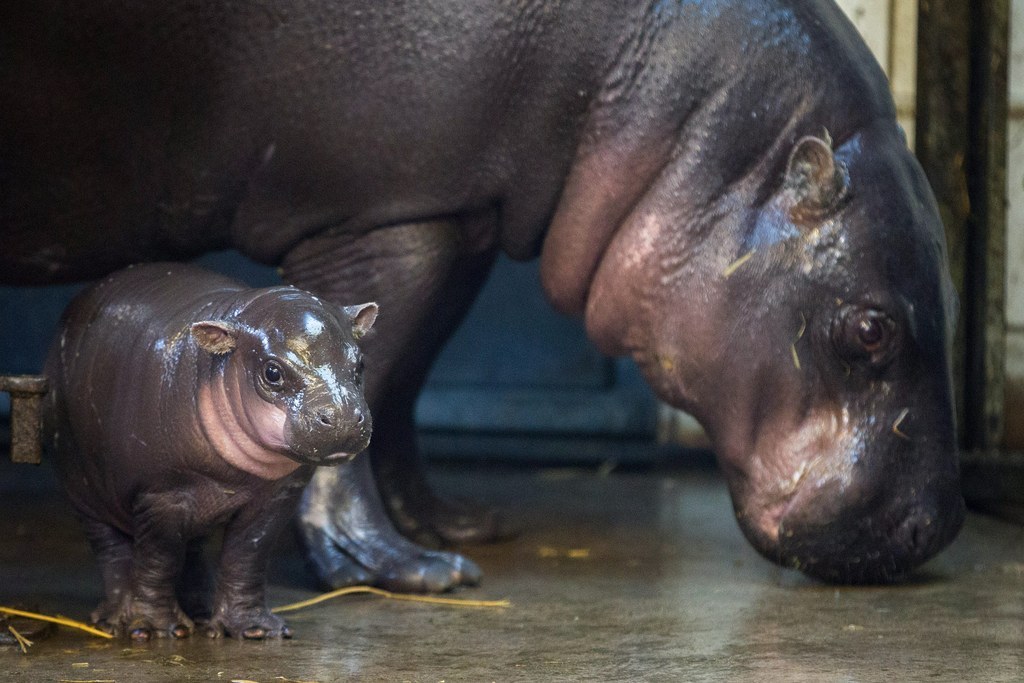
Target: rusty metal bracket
{"x": 27, "y": 393}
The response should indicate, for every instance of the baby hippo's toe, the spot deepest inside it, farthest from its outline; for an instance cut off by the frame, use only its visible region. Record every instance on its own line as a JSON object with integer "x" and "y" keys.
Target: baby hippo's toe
{"x": 250, "y": 623}
{"x": 141, "y": 621}
{"x": 260, "y": 632}
{"x": 143, "y": 629}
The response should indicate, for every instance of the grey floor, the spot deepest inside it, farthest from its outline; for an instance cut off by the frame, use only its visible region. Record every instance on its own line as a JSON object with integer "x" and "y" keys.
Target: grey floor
{"x": 616, "y": 577}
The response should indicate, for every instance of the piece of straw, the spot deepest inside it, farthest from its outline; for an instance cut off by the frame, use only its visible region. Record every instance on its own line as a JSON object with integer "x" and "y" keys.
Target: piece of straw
{"x": 899, "y": 420}
{"x": 738, "y": 263}
{"x": 799, "y": 336}
{"x": 429, "y": 599}
{"x": 23, "y": 642}
{"x": 62, "y": 621}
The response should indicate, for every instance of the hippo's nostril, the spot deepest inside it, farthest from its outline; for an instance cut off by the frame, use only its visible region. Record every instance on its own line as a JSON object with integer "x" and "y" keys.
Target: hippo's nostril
{"x": 325, "y": 418}
{"x": 361, "y": 419}
{"x": 918, "y": 532}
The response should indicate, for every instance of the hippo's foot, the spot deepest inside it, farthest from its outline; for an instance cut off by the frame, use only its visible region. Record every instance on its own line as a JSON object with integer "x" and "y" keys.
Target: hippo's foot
{"x": 429, "y": 519}
{"x": 394, "y": 564}
{"x": 141, "y": 621}
{"x": 349, "y": 539}
{"x": 106, "y": 617}
{"x": 248, "y": 622}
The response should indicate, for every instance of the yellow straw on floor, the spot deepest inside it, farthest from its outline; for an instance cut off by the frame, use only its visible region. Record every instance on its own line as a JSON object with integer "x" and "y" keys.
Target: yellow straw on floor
{"x": 429, "y": 599}
{"x": 63, "y": 621}
{"x": 23, "y": 642}
{"x": 351, "y": 590}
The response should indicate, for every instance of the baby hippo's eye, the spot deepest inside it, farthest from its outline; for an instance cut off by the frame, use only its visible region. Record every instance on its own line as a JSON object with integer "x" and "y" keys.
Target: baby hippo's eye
{"x": 273, "y": 374}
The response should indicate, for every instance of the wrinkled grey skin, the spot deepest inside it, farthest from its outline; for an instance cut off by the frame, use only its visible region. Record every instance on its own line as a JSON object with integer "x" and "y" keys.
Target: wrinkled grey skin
{"x": 386, "y": 151}
{"x": 182, "y": 401}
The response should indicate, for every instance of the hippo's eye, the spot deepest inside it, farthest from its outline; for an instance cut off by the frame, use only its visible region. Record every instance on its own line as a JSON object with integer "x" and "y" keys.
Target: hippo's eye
{"x": 871, "y": 333}
{"x": 865, "y": 334}
{"x": 274, "y": 375}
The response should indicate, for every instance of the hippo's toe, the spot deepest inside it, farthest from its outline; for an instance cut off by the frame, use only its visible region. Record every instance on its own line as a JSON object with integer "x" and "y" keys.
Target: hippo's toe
{"x": 142, "y": 621}
{"x": 142, "y": 630}
{"x": 430, "y": 572}
{"x": 249, "y": 623}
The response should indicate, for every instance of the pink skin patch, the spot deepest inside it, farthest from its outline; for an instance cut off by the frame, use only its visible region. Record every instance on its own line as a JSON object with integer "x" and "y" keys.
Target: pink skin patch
{"x": 801, "y": 465}
{"x": 246, "y": 431}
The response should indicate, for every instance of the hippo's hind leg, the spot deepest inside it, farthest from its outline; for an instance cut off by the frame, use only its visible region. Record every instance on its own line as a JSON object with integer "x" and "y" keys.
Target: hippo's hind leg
{"x": 113, "y": 550}
{"x": 424, "y": 276}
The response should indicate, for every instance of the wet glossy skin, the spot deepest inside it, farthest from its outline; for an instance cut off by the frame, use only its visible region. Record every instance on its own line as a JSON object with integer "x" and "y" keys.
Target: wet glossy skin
{"x": 182, "y": 401}
{"x": 386, "y": 152}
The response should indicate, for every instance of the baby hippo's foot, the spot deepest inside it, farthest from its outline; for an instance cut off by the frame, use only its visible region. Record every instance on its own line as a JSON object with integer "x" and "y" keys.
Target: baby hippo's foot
{"x": 106, "y": 617}
{"x": 249, "y": 622}
{"x": 141, "y": 621}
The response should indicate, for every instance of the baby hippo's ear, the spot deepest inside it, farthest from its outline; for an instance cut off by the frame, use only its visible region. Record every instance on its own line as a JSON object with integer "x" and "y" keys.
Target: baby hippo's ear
{"x": 363, "y": 317}
{"x": 214, "y": 336}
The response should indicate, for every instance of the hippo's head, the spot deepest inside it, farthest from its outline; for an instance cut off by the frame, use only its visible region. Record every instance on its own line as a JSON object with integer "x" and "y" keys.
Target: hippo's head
{"x": 286, "y": 382}
{"x": 809, "y": 330}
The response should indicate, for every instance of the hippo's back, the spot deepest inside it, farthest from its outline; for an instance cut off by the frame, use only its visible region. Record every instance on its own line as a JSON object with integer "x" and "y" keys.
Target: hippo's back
{"x": 156, "y": 131}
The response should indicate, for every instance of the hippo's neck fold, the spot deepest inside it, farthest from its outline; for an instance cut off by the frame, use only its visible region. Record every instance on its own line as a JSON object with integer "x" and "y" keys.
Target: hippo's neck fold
{"x": 692, "y": 130}
{"x": 244, "y": 430}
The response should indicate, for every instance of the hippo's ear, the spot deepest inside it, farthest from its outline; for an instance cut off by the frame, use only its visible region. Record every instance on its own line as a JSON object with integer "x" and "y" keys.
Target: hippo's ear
{"x": 815, "y": 181}
{"x": 363, "y": 317}
{"x": 216, "y": 337}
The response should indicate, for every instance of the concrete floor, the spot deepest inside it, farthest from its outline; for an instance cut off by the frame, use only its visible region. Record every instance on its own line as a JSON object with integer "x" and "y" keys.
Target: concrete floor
{"x": 623, "y": 577}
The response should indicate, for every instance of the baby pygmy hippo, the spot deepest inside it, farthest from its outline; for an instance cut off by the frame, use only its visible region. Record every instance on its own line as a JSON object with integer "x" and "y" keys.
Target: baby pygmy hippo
{"x": 181, "y": 401}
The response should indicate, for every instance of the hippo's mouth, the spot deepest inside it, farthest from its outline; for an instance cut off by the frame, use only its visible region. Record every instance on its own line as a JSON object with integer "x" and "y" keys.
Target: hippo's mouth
{"x": 763, "y": 522}
{"x": 338, "y": 458}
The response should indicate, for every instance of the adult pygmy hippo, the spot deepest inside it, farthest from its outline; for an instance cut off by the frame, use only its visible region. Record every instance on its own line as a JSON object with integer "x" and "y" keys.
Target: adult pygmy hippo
{"x": 718, "y": 186}
{"x": 182, "y": 400}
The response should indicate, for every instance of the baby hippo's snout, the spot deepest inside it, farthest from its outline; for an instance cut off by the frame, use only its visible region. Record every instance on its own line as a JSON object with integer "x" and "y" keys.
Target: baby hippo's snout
{"x": 329, "y": 418}
{"x": 331, "y": 433}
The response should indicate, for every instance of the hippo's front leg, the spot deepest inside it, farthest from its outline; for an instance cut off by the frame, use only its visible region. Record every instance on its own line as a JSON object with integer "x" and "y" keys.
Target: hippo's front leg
{"x": 424, "y": 277}
{"x": 239, "y": 605}
{"x": 150, "y": 607}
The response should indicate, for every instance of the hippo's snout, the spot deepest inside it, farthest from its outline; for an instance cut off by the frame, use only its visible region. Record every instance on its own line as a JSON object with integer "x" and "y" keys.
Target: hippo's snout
{"x": 838, "y": 535}
{"x": 330, "y": 434}
{"x": 921, "y": 533}
{"x": 329, "y": 417}
{"x": 871, "y": 549}
{"x": 851, "y": 496}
